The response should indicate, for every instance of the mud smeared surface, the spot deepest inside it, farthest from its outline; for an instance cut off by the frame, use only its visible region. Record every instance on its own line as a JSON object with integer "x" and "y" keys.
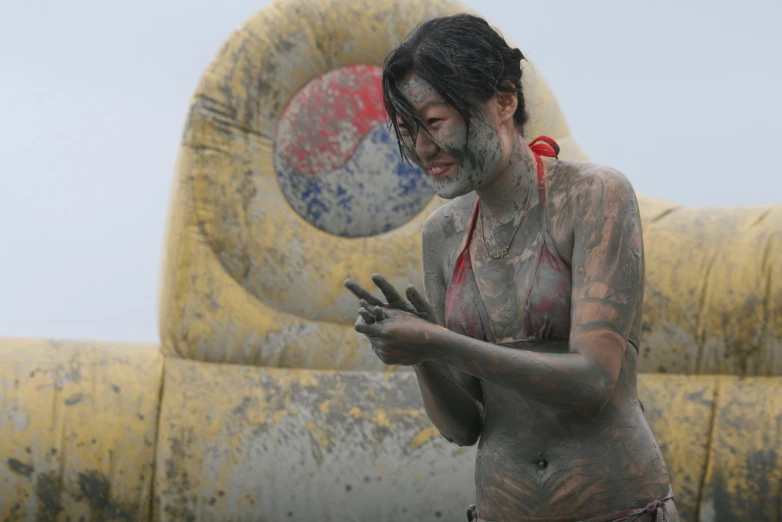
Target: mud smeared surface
{"x": 47, "y": 489}
{"x": 318, "y": 446}
{"x": 21, "y": 468}
{"x": 94, "y": 489}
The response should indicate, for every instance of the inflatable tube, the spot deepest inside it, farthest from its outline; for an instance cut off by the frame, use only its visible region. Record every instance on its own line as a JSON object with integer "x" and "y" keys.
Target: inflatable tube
{"x": 79, "y": 430}
{"x": 261, "y": 233}
{"x": 283, "y": 444}
{"x": 288, "y": 182}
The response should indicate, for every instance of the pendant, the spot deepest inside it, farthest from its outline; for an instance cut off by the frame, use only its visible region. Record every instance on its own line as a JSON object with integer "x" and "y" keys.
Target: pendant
{"x": 496, "y": 254}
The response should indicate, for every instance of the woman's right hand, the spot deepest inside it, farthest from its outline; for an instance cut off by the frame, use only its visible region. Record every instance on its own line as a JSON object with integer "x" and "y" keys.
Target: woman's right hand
{"x": 415, "y": 303}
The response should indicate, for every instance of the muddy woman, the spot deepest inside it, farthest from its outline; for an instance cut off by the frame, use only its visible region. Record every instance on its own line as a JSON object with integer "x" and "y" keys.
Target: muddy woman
{"x": 527, "y": 340}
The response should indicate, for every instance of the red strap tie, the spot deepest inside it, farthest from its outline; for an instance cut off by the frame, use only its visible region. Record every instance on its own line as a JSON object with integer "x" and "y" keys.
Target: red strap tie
{"x": 545, "y": 146}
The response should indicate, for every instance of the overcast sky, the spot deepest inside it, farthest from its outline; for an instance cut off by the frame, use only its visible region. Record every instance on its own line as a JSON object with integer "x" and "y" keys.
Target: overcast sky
{"x": 682, "y": 96}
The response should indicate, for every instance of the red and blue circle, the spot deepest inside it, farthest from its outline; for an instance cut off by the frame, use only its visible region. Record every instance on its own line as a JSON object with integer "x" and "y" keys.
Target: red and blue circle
{"x": 338, "y": 162}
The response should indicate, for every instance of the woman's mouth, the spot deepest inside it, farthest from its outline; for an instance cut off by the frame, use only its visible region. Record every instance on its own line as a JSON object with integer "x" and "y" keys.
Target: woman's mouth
{"x": 437, "y": 170}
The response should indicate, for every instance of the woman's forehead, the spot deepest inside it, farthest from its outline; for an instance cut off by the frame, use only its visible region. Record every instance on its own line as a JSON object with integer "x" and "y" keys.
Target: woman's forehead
{"x": 418, "y": 92}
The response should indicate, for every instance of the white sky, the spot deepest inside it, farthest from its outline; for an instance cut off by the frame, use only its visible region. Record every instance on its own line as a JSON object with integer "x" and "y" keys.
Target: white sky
{"x": 683, "y": 96}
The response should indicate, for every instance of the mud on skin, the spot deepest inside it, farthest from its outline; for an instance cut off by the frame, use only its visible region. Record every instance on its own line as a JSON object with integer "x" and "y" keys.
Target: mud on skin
{"x": 446, "y": 139}
{"x": 562, "y": 435}
{"x": 548, "y": 447}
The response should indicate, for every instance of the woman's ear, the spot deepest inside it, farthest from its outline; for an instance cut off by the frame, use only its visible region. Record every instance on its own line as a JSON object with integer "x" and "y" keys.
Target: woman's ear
{"x": 507, "y": 101}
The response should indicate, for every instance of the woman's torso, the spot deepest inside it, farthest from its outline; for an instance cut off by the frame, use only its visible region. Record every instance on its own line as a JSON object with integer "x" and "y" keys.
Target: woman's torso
{"x": 535, "y": 461}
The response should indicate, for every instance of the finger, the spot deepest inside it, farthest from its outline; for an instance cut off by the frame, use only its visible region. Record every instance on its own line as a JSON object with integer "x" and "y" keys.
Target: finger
{"x": 366, "y": 315}
{"x": 370, "y": 330}
{"x": 378, "y": 312}
{"x": 418, "y": 301}
{"x": 392, "y": 296}
{"x": 359, "y": 292}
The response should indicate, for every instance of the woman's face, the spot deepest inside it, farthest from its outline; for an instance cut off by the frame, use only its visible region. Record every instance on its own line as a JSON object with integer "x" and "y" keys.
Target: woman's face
{"x": 455, "y": 164}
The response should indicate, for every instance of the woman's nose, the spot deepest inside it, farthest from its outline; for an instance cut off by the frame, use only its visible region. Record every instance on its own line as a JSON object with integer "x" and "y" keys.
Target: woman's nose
{"x": 425, "y": 147}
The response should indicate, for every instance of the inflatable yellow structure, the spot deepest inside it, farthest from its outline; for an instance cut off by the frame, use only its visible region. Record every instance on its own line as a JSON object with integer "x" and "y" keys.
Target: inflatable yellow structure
{"x": 262, "y": 404}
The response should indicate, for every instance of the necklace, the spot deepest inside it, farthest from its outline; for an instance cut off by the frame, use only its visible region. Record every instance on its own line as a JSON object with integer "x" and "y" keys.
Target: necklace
{"x": 502, "y": 252}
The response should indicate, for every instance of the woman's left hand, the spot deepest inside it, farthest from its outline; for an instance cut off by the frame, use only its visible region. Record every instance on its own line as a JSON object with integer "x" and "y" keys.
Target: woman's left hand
{"x": 397, "y": 337}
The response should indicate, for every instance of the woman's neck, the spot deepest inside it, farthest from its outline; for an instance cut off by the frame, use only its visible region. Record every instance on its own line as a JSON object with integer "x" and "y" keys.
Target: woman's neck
{"x": 505, "y": 194}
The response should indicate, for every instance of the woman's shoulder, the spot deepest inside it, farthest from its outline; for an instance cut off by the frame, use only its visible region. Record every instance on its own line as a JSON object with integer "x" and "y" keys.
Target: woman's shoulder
{"x": 574, "y": 184}
{"x": 578, "y": 191}
{"x": 450, "y": 220}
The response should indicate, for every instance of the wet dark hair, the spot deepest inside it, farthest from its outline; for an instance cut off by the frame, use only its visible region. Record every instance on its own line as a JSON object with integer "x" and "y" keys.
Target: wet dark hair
{"x": 464, "y": 59}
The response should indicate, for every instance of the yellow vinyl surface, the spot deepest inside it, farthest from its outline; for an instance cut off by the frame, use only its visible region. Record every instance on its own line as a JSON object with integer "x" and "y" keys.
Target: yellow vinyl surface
{"x": 263, "y": 404}
{"x": 78, "y": 428}
{"x": 246, "y": 280}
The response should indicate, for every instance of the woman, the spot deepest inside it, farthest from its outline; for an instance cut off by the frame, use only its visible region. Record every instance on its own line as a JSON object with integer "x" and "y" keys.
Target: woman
{"x": 534, "y": 274}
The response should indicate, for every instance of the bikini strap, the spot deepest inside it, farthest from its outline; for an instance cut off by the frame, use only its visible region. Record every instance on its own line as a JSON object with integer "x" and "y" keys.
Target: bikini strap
{"x": 468, "y": 235}
{"x": 543, "y": 146}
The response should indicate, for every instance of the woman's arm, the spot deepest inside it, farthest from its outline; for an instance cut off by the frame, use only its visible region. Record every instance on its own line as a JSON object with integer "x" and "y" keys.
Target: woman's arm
{"x": 607, "y": 272}
{"x": 451, "y": 397}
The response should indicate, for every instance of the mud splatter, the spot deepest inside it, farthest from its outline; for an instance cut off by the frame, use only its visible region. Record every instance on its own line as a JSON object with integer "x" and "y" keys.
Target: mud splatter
{"x": 96, "y": 491}
{"x": 240, "y": 409}
{"x": 177, "y": 506}
{"x": 21, "y": 468}
{"x": 48, "y": 488}
{"x": 74, "y": 399}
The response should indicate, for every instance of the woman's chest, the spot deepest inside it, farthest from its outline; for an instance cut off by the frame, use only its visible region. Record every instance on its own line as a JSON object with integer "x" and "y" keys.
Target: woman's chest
{"x": 527, "y": 294}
